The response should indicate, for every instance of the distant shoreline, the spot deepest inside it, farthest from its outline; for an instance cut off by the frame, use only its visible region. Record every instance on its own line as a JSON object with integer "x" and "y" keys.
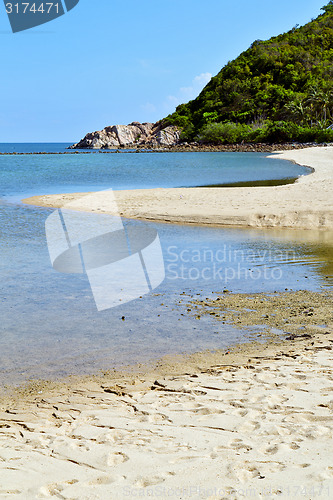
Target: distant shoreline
{"x": 305, "y": 204}
{"x": 181, "y": 148}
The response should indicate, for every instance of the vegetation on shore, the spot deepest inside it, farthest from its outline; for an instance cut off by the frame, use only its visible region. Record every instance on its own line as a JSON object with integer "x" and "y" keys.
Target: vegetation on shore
{"x": 276, "y": 91}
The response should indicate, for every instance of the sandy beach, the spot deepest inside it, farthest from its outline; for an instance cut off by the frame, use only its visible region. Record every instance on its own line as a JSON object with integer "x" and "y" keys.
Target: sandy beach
{"x": 307, "y": 204}
{"x": 253, "y": 421}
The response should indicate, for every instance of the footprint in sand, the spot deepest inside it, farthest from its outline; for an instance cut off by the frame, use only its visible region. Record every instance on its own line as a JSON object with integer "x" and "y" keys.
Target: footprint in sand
{"x": 55, "y": 489}
{"x": 245, "y": 472}
{"x": 277, "y": 430}
{"x": 237, "y": 444}
{"x": 271, "y": 450}
{"x": 250, "y": 426}
{"x": 156, "y": 418}
{"x": 116, "y": 458}
{"x": 144, "y": 482}
{"x": 183, "y": 459}
{"x": 105, "y": 480}
{"x": 204, "y": 411}
{"x": 241, "y": 413}
{"x": 115, "y": 437}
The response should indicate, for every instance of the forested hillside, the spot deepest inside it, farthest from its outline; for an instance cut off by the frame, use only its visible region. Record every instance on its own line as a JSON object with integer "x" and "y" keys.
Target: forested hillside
{"x": 277, "y": 90}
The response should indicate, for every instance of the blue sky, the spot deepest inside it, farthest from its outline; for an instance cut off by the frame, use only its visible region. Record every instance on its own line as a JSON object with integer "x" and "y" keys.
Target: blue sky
{"x": 109, "y": 62}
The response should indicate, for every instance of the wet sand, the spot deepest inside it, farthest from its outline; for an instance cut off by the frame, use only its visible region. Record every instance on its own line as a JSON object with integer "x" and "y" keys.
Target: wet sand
{"x": 255, "y": 418}
{"x": 307, "y": 204}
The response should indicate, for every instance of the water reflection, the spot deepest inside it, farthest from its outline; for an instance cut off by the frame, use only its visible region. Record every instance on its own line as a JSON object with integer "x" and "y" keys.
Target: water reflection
{"x": 313, "y": 247}
{"x": 50, "y": 325}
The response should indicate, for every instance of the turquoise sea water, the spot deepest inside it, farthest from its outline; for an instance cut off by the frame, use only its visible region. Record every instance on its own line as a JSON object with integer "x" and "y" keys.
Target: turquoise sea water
{"x": 49, "y": 322}
{"x": 27, "y": 175}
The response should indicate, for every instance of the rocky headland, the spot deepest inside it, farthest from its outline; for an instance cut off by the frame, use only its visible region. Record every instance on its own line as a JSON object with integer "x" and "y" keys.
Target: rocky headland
{"x": 147, "y": 137}
{"x": 133, "y": 135}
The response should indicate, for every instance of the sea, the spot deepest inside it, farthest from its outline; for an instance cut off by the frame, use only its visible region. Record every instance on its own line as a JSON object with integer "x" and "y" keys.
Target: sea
{"x": 51, "y": 325}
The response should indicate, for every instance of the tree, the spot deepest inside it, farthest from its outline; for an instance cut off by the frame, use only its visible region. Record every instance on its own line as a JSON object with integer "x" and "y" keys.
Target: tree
{"x": 286, "y": 78}
{"x": 328, "y": 7}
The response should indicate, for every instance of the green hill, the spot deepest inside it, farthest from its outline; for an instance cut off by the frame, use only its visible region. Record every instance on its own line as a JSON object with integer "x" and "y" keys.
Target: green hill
{"x": 277, "y": 90}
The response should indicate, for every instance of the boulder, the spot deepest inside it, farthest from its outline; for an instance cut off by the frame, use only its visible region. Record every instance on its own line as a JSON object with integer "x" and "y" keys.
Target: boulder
{"x": 132, "y": 135}
{"x": 168, "y": 136}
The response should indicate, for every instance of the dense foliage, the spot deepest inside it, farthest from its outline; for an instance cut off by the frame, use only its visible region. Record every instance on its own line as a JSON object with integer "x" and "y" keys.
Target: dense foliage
{"x": 277, "y": 90}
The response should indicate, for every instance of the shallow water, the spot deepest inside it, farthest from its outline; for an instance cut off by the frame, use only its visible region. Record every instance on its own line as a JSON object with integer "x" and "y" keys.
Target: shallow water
{"x": 22, "y": 176}
{"x": 50, "y": 325}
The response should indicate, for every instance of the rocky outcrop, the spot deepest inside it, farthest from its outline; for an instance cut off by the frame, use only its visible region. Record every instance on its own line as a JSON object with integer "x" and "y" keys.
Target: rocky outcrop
{"x": 133, "y": 135}
{"x": 169, "y": 136}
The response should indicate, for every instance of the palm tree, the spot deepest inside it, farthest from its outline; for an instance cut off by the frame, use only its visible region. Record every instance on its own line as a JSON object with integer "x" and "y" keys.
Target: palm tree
{"x": 321, "y": 102}
{"x": 297, "y": 108}
{"x": 313, "y": 99}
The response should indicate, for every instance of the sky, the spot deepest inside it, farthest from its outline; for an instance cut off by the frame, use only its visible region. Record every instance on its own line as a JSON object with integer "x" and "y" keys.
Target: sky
{"x": 113, "y": 62}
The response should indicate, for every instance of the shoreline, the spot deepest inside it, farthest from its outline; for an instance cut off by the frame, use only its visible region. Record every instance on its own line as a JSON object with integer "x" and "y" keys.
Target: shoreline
{"x": 284, "y": 206}
{"x": 245, "y": 311}
{"x": 181, "y": 148}
{"x": 257, "y": 416}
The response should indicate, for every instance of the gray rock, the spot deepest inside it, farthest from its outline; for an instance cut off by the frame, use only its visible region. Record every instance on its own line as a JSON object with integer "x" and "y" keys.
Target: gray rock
{"x": 168, "y": 136}
{"x": 132, "y": 135}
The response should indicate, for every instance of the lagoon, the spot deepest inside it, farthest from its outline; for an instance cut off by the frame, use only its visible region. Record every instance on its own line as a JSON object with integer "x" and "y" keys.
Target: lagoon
{"x": 27, "y": 175}
{"x": 50, "y": 326}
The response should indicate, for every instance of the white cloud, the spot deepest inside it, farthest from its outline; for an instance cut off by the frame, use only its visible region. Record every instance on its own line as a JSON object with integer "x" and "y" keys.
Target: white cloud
{"x": 172, "y": 99}
{"x": 188, "y": 93}
{"x": 184, "y": 94}
{"x": 203, "y": 79}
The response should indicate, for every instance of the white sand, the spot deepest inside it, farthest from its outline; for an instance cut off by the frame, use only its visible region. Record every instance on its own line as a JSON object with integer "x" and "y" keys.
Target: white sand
{"x": 306, "y": 204}
{"x": 256, "y": 429}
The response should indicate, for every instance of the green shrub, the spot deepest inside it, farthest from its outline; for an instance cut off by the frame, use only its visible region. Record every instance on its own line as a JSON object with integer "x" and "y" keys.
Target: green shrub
{"x": 324, "y": 136}
{"x": 270, "y": 132}
{"x": 280, "y": 132}
{"x": 224, "y": 133}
